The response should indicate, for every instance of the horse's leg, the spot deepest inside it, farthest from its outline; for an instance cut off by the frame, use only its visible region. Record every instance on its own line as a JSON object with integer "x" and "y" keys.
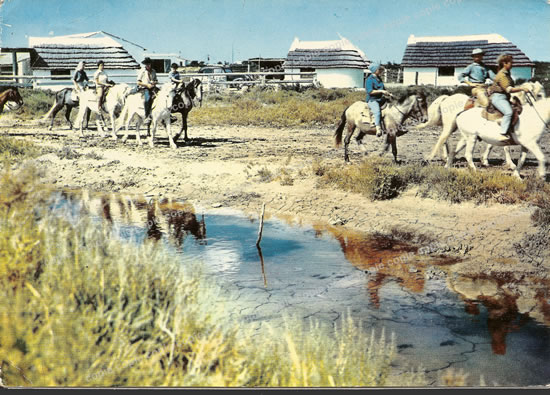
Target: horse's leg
{"x": 393, "y": 141}
{"x": 184, "y": 125}
{"x": 152, "y": 131}
{"x": 68, "y": 116}
{"x": 485, "y": 157}
{"x": 385, "y": 145}
{"x": 138, "y": 134}
{"x": 57, "y": 107}
{"x": 470, "y": 145}
{"x": 359, "y": 141}
{"x": 112, "y": 116}
{"x": 521, "y": 160}
{"x": 80, "y": 119}
{"x": 448, "y": 129}
{"x": 535, "y": 149}
{"x": 459, "y": 147}
{"x": 508, "y": 157}
{"x": 177, "y": 135}
{"x": 351, "y": 129}
{"x": 167, "y": 126}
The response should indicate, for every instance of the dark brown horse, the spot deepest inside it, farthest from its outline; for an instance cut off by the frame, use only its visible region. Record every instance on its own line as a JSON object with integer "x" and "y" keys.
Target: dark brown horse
{"x": 183, "y": 103}
{"x": 64, "y": 98}
{"x": 10, "y": 94}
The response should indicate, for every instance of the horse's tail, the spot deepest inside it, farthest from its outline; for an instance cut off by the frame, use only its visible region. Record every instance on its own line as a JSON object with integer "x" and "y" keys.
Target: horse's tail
{"x": 340, "y": 129}
{"x": 58, "y": 97}
{"x": 434, "y": 113}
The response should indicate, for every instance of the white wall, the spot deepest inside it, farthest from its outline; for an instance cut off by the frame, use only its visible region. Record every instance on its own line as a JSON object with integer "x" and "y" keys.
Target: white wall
{"x": 428, "y": 75}
{"x": 334, "y": 78}
{"x": 340, "y": 78}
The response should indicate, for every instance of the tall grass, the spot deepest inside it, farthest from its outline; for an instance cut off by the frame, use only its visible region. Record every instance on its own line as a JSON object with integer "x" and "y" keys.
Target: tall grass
{"x": 14, "y": 150}
{"x": 379, "y": 179}
{"x": 82, "y": 308}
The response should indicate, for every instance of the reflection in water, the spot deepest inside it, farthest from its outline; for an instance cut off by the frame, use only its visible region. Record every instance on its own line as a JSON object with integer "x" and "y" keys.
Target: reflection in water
{"x": 262, "y": 264}
{"x": 386, "y": 259}
{"x": 509, "y": 304}
{"x": 160, "y": 217}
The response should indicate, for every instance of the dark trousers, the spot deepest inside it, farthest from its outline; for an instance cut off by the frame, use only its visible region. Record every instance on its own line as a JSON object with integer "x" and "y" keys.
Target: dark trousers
{"x": 148, "y": 96}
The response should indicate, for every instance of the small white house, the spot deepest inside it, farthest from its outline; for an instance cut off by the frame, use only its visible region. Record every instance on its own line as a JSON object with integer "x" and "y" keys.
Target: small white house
{"x": 58, "y": 56}
{"x": 337, "y": 63}
{"x": 438, "y": 60}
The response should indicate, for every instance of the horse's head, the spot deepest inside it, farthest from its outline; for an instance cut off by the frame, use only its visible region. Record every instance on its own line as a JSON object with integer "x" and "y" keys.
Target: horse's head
{"x": 194, "y": 90}
{"x": 421, "y": 107}
{"x": 13, "y": 96}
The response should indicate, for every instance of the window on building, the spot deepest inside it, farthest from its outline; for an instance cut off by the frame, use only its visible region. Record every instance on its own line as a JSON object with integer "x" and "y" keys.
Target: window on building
{"x": 307, "y": 70}
{"x": 446, "y": 71}
{"x": 158, "y": 65}
{"x": 60, "y": 73}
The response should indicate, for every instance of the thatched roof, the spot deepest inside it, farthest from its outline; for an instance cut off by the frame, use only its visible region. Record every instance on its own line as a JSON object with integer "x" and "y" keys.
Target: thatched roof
{"x": 325, "y": 54}
{"x": 457, "y": 51}
{"x": 64, "y": 52}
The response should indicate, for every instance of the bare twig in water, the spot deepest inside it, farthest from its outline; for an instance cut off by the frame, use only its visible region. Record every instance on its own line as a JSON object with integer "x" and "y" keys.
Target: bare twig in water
{"x": 261, "y": 226}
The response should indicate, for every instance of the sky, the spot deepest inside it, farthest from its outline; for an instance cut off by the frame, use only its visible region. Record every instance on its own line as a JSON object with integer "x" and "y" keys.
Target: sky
{"x": 227, "y": 30}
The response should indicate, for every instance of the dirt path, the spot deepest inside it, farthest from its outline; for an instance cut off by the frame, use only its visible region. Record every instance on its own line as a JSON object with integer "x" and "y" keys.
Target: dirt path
{"x": 229, "y": 166}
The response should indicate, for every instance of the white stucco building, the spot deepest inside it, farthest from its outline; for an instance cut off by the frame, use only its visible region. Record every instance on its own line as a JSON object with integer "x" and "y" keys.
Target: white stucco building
{"x": 438, "y": 60}
{"x": 337, "y": 63}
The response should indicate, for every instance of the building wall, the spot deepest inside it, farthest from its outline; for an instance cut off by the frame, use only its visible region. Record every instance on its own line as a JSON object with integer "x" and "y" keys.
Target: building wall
{"x": 429, "y": 75}
{"x": 334, "y": 78}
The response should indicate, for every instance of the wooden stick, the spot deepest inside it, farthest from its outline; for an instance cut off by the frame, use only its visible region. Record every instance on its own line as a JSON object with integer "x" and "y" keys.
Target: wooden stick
{"x": 261, "y": 226}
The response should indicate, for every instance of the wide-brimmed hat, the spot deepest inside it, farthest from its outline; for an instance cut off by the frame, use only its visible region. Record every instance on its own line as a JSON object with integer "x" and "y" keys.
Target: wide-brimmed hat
{"x": 478, "y": 51}
{"x": 174, "y": 65}
{"x": 147, "y": 61}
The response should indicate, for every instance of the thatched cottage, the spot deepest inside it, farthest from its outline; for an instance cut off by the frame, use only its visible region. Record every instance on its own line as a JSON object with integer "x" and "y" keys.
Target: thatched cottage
{"x": 337, "y": 63}
{"x": 438, "y": 60}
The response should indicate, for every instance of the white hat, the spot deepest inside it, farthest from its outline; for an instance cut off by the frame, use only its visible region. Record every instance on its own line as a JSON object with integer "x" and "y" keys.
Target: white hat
{"x": 478, "y": 51}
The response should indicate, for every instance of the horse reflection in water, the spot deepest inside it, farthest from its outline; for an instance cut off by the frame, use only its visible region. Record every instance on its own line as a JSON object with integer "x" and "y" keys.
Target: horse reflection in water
{"x": 509, "y": 304}
{"x": 160, "y": 217}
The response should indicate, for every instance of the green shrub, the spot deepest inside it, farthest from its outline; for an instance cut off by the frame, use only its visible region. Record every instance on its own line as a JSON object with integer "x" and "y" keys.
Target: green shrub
{"x": 14, "y": 150}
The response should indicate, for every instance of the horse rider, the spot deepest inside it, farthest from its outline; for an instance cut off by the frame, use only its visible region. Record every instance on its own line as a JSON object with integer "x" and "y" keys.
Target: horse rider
{"x": 477, "y": 74}
{"x": 101, "y": 83}
{"x": 80, "y": 79}
{"x": 147, "y": 81}
{"x": 376, "y": 94}
{"x": 503, "y": 86}
{"x": 174, "y": 75}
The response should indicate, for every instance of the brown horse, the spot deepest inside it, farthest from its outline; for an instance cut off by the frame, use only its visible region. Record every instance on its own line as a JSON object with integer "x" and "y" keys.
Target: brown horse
{"x": 357, "y": 116}
{"x": 11, "y": 94}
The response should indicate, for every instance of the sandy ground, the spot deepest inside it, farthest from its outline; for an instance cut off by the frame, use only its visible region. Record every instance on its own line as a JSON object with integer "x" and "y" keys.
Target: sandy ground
{"x": 222, "y": 167}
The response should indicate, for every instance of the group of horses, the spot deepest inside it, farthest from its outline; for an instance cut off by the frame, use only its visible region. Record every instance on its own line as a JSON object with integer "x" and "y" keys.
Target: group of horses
{"x": 451, "y": 113}
{"x": 129, "y": 103}
{"x": 446, "y": 111}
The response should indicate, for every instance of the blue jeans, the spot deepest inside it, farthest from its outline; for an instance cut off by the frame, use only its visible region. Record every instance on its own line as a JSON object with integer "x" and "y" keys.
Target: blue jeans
{"x": 375, "y": 108}
{"x": 148, "y": 102}
{"x": 500, "y": 101}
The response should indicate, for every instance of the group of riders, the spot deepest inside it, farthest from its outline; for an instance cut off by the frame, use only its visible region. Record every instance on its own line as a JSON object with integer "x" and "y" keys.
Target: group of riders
{"x": 146, "y": 83}
{"x": 475, "y": 75}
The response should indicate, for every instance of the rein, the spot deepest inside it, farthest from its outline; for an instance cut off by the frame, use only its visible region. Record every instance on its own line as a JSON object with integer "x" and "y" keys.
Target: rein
{"x": 531, "y": 103}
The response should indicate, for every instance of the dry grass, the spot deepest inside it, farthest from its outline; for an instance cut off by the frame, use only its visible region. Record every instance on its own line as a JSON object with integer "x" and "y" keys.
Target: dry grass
{"x": 83, "y": 308}
{"x": 380, "y": 179}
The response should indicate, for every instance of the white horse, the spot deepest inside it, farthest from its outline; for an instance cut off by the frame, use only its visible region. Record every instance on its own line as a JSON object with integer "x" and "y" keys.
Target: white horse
{"x": 444, "y": 110}
{"x": 114, "y": 100}
{"x": 162, "y": 106}
{"x": 527, "y": 133}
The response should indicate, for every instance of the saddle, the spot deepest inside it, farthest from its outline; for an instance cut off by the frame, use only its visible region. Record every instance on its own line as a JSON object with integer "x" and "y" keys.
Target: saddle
{"x": 479, "y": 98}
{"x": 366, "y": 114}
{"x": 492, "y": 114}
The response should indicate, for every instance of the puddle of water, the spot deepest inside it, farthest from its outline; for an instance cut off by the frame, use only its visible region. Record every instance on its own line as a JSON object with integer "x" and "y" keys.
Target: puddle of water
{"x": 487, "y": 326}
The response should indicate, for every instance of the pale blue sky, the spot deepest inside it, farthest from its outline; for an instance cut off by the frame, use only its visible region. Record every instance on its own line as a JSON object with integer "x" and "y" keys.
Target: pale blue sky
{"x": 198, "y": 28}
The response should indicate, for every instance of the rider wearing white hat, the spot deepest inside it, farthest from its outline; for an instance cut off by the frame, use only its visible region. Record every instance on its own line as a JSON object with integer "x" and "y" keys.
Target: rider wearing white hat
{"x": 477, "y": 74}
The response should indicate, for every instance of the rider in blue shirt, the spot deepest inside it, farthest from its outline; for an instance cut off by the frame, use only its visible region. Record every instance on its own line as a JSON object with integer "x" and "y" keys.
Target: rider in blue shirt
{"x": 477, "y": 74}
{"x": 375, "y": 94}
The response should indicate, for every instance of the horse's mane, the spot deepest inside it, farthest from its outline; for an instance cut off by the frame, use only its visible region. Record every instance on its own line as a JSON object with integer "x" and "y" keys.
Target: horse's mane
{"x": 408, "y": 93}
{"x": 5, "y": 88}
